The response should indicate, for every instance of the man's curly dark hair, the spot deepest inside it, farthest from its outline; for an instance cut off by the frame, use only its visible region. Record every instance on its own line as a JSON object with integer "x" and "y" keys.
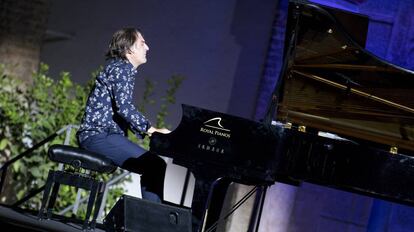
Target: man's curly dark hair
{"x": 121, "y": 42}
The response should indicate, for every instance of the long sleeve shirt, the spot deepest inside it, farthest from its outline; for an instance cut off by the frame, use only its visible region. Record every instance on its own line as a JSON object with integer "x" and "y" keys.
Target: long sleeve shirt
{"x": 109, "y": 107}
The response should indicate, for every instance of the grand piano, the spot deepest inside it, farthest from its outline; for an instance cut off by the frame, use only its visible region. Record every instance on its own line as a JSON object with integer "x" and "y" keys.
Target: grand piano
{"x": 339, "y": 117}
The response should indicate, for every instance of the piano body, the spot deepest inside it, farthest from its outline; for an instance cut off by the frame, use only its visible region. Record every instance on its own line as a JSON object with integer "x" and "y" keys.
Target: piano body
{"x": 216, "y": 146}
{"x": 345, "y": 119}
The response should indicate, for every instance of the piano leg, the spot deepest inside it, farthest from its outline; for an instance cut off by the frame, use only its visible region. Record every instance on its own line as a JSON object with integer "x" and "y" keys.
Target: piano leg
{"x": 207, "y": 202}
{"x": 257, "y": 208}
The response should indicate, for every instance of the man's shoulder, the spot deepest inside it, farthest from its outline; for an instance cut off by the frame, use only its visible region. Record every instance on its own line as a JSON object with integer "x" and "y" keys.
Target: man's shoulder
{"x": 112, "y": 64}
{"x": 114, "y": 72}
{"x": 119, "y": 66}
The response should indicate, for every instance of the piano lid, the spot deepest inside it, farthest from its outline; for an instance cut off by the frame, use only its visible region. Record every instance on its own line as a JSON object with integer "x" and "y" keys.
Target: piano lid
{"x": 332, "y": 84}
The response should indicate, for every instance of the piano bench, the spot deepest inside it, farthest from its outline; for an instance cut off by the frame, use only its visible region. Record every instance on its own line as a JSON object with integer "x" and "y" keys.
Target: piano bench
{"x": 77, "y": 159}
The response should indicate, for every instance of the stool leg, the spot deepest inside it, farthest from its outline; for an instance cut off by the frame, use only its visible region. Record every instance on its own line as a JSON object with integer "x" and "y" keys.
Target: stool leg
{"x": 52, "y": 199}
{"x": 101, "y": 189}
{"x": 91, "y": 202}
{"x": 46, "y": 192}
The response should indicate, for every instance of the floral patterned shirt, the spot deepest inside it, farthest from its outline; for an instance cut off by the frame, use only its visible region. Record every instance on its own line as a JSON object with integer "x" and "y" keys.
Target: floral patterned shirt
{"x": 109, "y": 107}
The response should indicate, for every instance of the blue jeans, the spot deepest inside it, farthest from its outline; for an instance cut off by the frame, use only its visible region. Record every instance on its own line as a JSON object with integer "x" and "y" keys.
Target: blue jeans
{"x": 130, "y": 156}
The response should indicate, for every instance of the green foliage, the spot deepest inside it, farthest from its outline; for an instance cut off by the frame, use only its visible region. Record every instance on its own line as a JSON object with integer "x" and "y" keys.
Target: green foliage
{"x": 146, "y": 97}
{"x": 29, "y": 114}
{"x": 174, "y": 83}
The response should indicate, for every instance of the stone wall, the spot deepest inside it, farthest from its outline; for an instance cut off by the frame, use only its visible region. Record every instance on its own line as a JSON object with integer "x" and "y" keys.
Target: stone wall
{"x": 22, "y": 26}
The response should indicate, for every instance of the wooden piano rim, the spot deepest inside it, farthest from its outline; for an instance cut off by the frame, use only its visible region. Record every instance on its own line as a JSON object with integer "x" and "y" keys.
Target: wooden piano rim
{"x": 343, "y": 128}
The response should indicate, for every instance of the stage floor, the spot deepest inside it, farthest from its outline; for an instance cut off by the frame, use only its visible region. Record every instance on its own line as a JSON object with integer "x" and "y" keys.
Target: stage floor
{"x": 16, "y": 220}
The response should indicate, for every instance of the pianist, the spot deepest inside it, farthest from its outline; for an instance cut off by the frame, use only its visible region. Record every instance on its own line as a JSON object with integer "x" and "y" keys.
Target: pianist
{"x": 109, "y": 113}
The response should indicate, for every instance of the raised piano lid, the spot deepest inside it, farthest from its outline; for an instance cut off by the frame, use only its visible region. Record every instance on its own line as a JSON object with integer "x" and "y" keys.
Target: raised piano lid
{"x": 332, "y": 84}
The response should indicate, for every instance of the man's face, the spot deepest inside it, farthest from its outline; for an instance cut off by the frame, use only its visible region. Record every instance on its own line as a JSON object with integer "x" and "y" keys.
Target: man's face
{"x": 138, "y": 54}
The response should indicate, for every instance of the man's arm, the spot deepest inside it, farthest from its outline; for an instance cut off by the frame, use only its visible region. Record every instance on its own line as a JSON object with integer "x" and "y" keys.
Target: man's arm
{"x": 122, "y": 90}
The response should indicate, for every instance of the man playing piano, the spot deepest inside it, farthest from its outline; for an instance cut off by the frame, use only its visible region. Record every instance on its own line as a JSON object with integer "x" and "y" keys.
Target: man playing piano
{"x": 109, "y": 113}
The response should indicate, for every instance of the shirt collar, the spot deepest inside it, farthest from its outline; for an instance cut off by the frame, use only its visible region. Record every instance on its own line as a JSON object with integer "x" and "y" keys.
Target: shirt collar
{"x": 124, "y": 63}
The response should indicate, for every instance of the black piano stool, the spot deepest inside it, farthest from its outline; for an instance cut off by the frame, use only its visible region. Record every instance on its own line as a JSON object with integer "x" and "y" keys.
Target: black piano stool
{"x": 78, "y": 159}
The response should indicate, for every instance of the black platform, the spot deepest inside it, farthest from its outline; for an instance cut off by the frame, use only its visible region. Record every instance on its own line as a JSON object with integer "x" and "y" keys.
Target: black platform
{"x": 19, "y": 220}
